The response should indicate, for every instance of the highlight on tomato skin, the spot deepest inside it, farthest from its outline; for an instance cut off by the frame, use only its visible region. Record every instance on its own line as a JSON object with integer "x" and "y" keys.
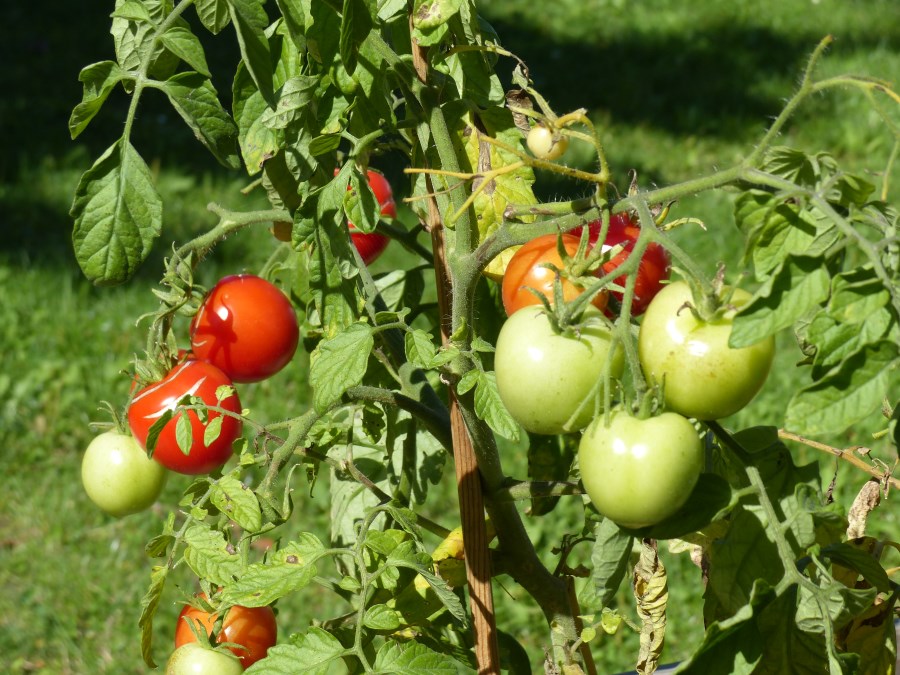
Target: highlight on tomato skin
{"x": 246, "y": 327}
{"x": 653, "y": 270}
{"x": 194, "y": 378}
{"x": 526, "y": 270}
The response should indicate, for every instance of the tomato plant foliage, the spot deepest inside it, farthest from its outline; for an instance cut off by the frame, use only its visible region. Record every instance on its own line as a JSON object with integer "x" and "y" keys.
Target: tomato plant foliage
{"x": 322, "y": 91}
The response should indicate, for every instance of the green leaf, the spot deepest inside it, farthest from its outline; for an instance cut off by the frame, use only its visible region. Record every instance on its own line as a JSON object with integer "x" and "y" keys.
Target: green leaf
{"x": 429, "y": 14}
{"x": 238, "y": 502}
{"x": 323, "y": 31}
{"x": 490, "y": 408}
{"x": 213, "y": 14}
{"x": 284, "y": 572}
{"x": 99, "y": 79}
{"x": 208, "y": 556}
{"x": 800, "y": 285}
{"x": 860, "y": 561}
{"x": 835, "y": 341}
{"x": 412, "y": 658}
{"x": 446, "y": 595}
{"x": 843, "y": 604}
{"x": 195, "y": 99}
{"x": 132, "y": 10}
{"x": 339, "y": 363}
{"x": 212, "y": 431}
{"x": 149, "y": 604}
{"x": 420, "y": 350}
{"x": 186, "y": 46}
{"x": 311, "y": 653}
{"x": 360, "y": 204}
{"x": 324, "y": 144}
{"x": 132, "y": 39}
{"x": 609, "y": 559}
{"x": 381, "y": 617}
{"x": 788, "y": 650}
{"x": 184, "y": 433}
{"x": 846, "y": 394}
{"x": 118, "y": 216}
{"x": 250, "y": 20}
{"x": 356, "y": 23}
{"x": 295, "y": 21}
{"x": 856, "y": 296}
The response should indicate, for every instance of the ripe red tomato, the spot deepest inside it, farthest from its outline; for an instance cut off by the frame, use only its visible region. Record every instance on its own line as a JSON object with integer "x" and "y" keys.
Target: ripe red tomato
{"x": 195, "y": 659}
{"x": 703, "y": 377}
{"x": 547, "y": 379}
{"x": 653, "y": 269}
{"x": 372, "y": 245}
{"x": 251, "y": 627}
{"x": 246, "y": 327}
{"x": 525, "y": 270}
{"x": 639, "y": 472}
{"x": 195, "y": 378}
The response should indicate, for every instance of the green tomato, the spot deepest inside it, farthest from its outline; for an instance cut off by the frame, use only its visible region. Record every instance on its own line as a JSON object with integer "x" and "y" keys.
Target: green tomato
{"x": 639, "y": 472}
{"x": 547, "y": 380}
{"x": 195, "y": 659}
{"x": 545, "y": 144}
{"x": 703, "y": 377}
{"x": 118, "y": 476}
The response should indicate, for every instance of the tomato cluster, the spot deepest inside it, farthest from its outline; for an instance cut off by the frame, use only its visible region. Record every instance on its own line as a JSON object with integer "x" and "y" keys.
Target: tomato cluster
{"x": 254, "y": 629}
{"x": 638, "y": 470}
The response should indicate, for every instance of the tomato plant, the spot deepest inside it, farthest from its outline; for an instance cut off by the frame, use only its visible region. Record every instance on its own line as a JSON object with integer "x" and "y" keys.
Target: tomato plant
{"x": 528, "y": 269}
{"x": 194, "y": 659}
{"x": 639, "y": 472}
{"x": 118, "y": 476}
{"x": 202, "y": 382}
{"x": 409, "y": 368}
{"x": 703, "y": 376}
{"x": 246, "y": 327}
{"x": 371, "y": 245}
{"x": 253, "y": 628}
{"x": 654, "y": 266}
{"x": 551, "y": 382}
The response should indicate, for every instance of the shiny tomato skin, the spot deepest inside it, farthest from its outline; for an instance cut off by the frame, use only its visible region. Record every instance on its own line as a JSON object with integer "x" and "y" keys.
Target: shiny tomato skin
{"x": 703, "y": 377}
{"x": 118, "y": 476}
{"x": 372, "y": 245}
{"x": 653, "y": 270}
{"x": 252, "y": 627}
{"x": 525, "y": 271}
{"x": 545, "y": 378}
{"x": 639, "y": 472}
{"x": 246, "y": 327}
{"x": 194, "y": 659}
{"x": 197, "y": 378}
{"x": 543, "y": 145}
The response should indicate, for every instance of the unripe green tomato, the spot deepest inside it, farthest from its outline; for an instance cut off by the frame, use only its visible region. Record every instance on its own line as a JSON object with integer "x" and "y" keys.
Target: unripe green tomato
{"x": 195, "y": 659}
{"x": 703, "y": 377}
{"x": 118, "y": 476}
{"x": 545, "y": 379}
{"x": 639, "y": 472}
{"x": 544, "y": 144}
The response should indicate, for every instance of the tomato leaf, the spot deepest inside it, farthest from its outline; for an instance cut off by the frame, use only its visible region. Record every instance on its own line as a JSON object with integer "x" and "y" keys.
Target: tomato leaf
{"x": 133, "y": 38}
{"x": 797, "y": 287}
{"x": 208, "y": 556}
{"x": 184, "y": 432}
{"x": 412, "y": 658}
{"x": 238, "y": 502}
{"x": 295, "y": 21}
{"x": 429, "y": 14}
{"x": 311, "y": 653}
{"x": 420, "y": 350}
{"x": 118, "y": 216}
{"x": 873, "y": 636}
{"x": 381, "y": 617}
{"x": 360, "y": 204}
{"x": 288, "y": 570}
{"x": 213, "y": 14}
{"x": 186, "y": 46}
{"x": 99, "y": 80}
{"x": 250, "y": 20}
{"x": 847, "y": 394}
{"x": 156, "y": 429}
{"x": 490, "y": 408}
{"x": 843, "y": 605}
{"x": 149, "y": 604}
{"x": 609, "y": 559}
{"x": 356, "y": 22}
{"x": 339, "y": 363}
{"x": 860, "y": 561}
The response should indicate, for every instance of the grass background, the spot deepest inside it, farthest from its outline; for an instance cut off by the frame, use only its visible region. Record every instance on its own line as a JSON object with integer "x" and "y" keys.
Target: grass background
{"x": 679, "y": 89}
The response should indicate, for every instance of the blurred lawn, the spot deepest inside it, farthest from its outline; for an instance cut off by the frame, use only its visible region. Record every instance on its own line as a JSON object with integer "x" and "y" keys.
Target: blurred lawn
{"x": 678, "y": 90}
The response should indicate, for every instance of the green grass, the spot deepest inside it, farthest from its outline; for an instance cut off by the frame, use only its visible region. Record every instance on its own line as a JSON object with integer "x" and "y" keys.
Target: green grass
{"x": 679, "y": 89}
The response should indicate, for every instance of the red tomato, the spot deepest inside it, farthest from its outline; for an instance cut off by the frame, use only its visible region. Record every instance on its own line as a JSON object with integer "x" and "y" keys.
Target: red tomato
{"x": 653, "y": 269}
{"x": 251, "y": 627}
{"x": 195, "y": 378}
{"x": 525, "y": 271}
{"x": 370, "y": 246}
{"x": 246, "y": 327}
